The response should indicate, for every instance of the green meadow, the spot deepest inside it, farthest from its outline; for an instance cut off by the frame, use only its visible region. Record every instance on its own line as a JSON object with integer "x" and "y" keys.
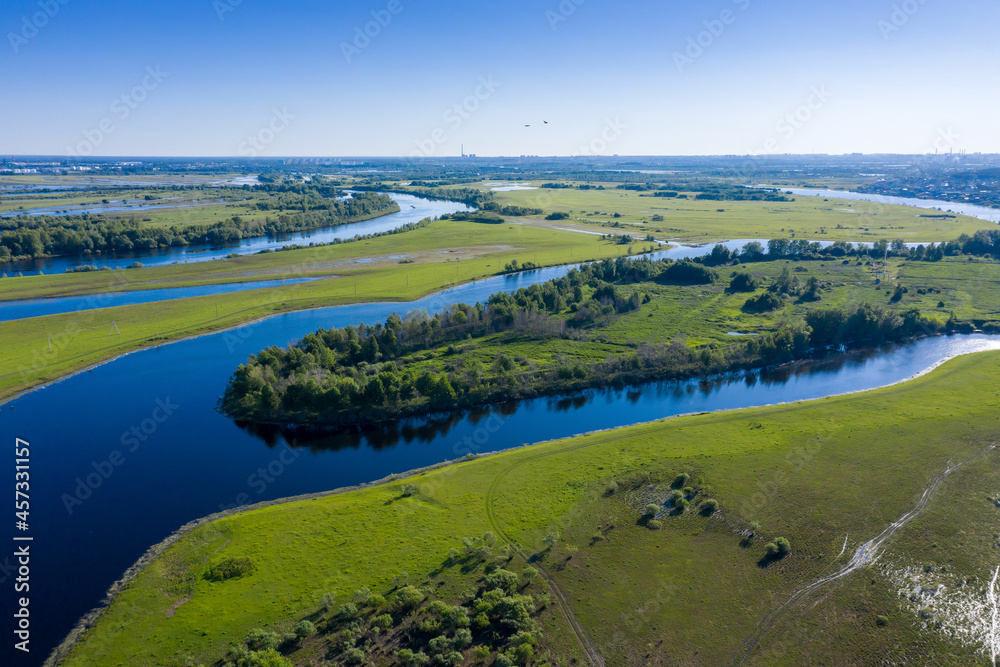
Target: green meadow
{"x": 701, "y": 221}
{"x": 399, "y": 267}
{"x": 688, "y": 588}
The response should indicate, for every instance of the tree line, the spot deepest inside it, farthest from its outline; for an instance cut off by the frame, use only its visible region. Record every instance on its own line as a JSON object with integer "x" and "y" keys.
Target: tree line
{"x": 369, "y": 374}
{"x": 42, "y": 236}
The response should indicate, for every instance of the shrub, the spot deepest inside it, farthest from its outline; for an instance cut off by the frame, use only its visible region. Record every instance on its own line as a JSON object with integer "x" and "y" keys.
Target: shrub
{"x": 408, "y": 597}
{"x": 881, "y": 621}
{"x": 764, "y": 303}
{"x": 462, "y": 638}
{"x": 784, "y": 546}
{"x": 557, "y": 216}
{"x": 653, "y": 524}
{"x": 681, "y": 504}
{"x": 383, "y": 621}
{"x": 676, "y": 496}
{"x": 408, "y": 490}
{"x": 354, "y": 656}
{"x": 304, "y": 628}
{"x": 348, "y": 611}
{"x": 376, "y": 601}
{"x": 680, "y": 480}
{"x": 268, "y": 658}
{"x": 230, "y": 568}
{"x": 502, "y": 579}
{"x": 529, "y": 573}
{"x": 744, "y": 282}
{"x": 652, "y": 510}
{"x": 260, "y": 640}
{"x": 770, "y": 550}
{"x": 481, "y": 653}
{"x": 687, "y": 273}
{"x": 710, "y": 506}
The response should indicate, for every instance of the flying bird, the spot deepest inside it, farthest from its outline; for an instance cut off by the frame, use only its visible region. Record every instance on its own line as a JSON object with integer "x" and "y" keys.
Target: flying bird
{"x": 527, "y": 126}
{"x": 546, "y": 122}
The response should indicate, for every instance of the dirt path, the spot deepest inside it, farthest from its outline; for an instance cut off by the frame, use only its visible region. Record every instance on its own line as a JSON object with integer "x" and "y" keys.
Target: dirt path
{"x": 588, "y": 646}
{"x": 865, "y": 555}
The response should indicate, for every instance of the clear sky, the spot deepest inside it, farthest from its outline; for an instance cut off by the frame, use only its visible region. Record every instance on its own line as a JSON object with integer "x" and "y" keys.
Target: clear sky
{"x": 300, "y": 77}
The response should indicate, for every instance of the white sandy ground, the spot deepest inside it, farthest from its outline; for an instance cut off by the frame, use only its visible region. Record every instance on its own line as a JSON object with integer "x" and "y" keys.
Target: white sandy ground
{"x": 950, "y": 603}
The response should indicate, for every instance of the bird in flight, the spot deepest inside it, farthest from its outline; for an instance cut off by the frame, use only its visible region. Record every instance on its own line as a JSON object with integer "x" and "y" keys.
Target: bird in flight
{"x": 546, "y": 122}
{"x": 527, "y": 126}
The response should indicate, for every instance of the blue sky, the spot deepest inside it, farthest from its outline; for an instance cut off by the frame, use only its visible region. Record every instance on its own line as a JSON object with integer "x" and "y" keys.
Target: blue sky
{"x": 268, "y": 78}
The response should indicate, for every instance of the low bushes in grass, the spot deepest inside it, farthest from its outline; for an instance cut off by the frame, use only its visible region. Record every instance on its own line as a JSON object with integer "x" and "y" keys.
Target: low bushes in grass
{"x": 230, "y": 568}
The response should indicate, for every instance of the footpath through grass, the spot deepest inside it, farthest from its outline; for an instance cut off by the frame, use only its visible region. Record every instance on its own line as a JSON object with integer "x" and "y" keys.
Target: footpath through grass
{"x": 686, "y": 590}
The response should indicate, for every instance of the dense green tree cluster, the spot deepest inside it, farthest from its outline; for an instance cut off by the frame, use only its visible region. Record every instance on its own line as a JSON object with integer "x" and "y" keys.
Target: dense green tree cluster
{"x": 360, "y": 374}
{"x": 493, "y": 622}
{"x": 31, "y": 237}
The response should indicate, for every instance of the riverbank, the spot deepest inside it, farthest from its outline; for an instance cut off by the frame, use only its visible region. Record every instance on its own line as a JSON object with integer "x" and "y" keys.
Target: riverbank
{"x": 723, "y": 449}
{"x": 365, "y": 273}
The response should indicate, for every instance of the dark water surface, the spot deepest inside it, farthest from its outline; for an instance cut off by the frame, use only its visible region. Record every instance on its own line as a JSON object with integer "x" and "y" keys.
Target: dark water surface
{"x": 127, "y": 452}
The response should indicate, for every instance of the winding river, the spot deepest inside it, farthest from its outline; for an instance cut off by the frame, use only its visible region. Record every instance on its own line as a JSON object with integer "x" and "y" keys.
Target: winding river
{"x": 128, "y": 451}
{"x": 411, "y": 209}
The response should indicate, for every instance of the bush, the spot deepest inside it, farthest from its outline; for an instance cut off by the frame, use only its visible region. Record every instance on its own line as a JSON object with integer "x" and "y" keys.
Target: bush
{"x": 383, "y": 621}
{"x": 744, "y": 282}
{"x": 348, "y": 611}
{"x": 687, "y": 273}
{"x": 676, "y": 496}
{"x": 766, "y": 302}
{"x": 653, "y": 524}
{"x": 529, "y": 573}
{"x": 504, "y": 580}
{"x": 680, "y": 480}
{"x": 557, "y": 216}
{"x": 268, "y": 658}
{"x": 408, "y": 490}
{"x": 770, "y": 550}
{"x": 652, "y": 510}
{"x": 881, "y": 621}
{"x": 230, "y": 568}
{"x": 261, "y": 640}
{"x": 354, "y": 656}
{"x": 408, "y": 597}
{"x": 710, "y": 506}
{"x": 784, "y": 546}
{"x": 304, "y": 628}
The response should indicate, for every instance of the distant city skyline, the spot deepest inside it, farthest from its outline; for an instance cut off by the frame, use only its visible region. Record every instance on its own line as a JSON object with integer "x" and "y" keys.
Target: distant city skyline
{"x": 237, "y": 78}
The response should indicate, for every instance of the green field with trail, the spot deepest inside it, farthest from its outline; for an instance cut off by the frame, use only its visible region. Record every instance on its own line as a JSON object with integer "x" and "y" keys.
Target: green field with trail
{"x": 691, "y": 588}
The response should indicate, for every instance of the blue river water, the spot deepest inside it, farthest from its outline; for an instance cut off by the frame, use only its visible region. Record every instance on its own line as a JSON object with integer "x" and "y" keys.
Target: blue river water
{"x": 412, "y": 209}
{"x": 15, "y": 310}
{"x": 128, "y": 451}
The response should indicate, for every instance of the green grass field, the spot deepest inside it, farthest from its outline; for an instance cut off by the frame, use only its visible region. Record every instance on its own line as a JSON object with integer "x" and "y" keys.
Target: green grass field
{"x": 698, "y": 221}
{"x": 691, "y": 592}
{"x": 399, "y": 267}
